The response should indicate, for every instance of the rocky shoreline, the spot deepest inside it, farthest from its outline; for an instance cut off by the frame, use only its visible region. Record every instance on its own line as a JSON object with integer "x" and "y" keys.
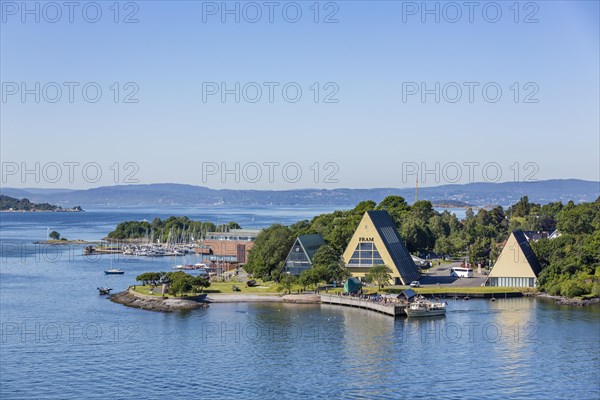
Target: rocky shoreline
{"x": 264, "y": 298}
{"x": 565, "y": 301}
{"x": 65, "y": 242}
{"x": 131, "y": 299}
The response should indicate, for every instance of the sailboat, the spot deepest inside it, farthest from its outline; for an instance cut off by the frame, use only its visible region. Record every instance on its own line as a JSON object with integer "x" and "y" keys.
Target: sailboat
{"x": 113, "y": 271}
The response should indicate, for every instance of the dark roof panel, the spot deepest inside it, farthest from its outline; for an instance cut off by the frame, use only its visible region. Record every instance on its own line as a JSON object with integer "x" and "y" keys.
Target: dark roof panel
{"x": 310, "y": 244}
{"x": 395, "y": 246}
{"x": 528, "y": 251}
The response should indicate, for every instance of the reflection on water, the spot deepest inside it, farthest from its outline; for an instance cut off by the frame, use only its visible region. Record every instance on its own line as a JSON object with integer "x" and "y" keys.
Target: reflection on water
{"x": 60, "y": 340}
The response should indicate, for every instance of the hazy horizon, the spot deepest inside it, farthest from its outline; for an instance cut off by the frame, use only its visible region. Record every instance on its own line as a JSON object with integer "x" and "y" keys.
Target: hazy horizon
{"x": 345, "y": 94}
{"x": 284, "y": 189}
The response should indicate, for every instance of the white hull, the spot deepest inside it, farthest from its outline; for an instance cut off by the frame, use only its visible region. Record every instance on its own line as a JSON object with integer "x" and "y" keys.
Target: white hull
{"x": 425, "y": 308}
{"x": 424, "y": 313}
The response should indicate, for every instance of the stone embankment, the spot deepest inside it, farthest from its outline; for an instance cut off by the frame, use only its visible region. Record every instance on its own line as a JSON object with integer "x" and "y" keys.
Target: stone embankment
{"x": 130, "y": 298}
{"x": 565, "y": 301}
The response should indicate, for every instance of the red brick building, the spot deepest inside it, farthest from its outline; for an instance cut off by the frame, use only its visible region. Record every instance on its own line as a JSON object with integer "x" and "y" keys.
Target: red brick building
{"x": 232, "y": 246}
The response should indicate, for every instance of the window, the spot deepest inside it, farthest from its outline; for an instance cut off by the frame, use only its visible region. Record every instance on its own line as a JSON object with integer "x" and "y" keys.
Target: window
{"x": 366, "y": 255}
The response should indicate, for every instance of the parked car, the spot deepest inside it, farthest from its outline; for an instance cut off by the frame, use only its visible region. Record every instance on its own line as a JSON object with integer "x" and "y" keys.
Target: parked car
{"x": 415, "y": 284}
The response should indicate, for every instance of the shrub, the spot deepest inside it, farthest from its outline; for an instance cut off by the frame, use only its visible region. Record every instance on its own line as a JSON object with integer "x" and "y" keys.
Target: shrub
{"x": 572, "y": 288}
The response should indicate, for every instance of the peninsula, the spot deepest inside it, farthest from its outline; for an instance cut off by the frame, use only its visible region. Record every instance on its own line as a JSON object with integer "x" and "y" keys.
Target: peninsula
{"x": 11, "y": 204}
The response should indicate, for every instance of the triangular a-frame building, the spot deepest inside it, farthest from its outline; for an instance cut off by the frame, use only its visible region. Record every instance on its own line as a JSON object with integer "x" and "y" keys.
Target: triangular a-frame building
{"x": 517, "y": 265}
{"x": 376, "y": 242}
{"x": 301, "y": 254}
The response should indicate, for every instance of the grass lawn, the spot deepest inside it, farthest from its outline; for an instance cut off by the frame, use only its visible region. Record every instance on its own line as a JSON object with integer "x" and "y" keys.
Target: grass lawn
{"x": 472, "y": 289}
{"x": 157, "y": 291}
{"x": 226, "y": 287}
{"x": 222, "y": 287}
{"x": 261, "y": 287}
{"x": 447, "y": 289}
{"x": 271, "y": 288}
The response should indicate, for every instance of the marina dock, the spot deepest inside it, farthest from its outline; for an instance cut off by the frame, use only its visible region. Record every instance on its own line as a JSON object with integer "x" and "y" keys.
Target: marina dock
{"x": 391, "y": 309}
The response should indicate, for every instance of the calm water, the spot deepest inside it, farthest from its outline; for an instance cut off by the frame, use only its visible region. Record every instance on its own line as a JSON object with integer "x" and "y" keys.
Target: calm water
{"x": 60, "y": 340}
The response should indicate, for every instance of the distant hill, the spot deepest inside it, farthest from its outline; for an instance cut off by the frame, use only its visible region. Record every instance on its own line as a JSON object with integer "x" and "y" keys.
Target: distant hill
{"x": 8, "y": 203}
{"x": 168, "y": 194}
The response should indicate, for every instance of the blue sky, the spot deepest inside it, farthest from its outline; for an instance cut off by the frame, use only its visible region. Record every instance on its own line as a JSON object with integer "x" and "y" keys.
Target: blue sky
{"x": 375, "y": 135}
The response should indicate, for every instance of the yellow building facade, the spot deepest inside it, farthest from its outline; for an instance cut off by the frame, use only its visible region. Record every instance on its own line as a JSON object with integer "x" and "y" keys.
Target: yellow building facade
{"x": 376, "y": 241}
{"x": 517, "y": 265}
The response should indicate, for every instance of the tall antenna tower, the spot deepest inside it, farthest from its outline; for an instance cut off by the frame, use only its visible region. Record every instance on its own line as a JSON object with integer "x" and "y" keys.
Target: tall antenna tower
{"x": 417, "y": 190}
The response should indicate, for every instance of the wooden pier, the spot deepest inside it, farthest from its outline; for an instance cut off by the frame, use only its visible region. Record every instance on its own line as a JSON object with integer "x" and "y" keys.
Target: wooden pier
{"x": 391, "y": 309}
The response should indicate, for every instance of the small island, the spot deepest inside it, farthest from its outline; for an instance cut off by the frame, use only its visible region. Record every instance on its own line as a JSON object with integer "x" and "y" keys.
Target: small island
{"x": 55, "y": 238}
{"x": 11, "y": 204}
{"x": 165, "y": 291}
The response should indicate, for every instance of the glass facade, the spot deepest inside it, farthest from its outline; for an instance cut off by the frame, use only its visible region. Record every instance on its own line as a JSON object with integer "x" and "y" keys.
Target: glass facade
{"x": 365, "y": 255}
{"x": 297, "y": 261}
{"x": 511, "y": 282}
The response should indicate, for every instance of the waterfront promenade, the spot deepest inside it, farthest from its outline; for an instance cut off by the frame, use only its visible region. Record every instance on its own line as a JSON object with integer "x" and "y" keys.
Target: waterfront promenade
{"x": 392, "y": 308}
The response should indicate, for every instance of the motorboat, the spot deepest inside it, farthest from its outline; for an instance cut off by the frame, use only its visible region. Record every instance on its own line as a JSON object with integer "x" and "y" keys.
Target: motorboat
{"x": 114, "y": 272}
{"x": 425, "y": 308}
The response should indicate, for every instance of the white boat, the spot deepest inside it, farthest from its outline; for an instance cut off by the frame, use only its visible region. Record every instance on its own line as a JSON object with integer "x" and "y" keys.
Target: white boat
{"x": 200, "y": 267}
{"x": 425, "y": 308}
{"x": 114, "y": 272}
{"x": 128, "y": 252}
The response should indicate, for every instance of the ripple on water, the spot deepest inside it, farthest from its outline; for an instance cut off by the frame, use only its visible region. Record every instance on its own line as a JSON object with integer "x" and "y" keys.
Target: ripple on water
{"x": 258, "y": 351}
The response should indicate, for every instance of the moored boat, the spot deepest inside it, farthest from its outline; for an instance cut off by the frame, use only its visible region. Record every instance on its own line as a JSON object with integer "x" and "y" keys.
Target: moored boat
{"x": 114, "y": 272}
{"x": 425, "y": 308}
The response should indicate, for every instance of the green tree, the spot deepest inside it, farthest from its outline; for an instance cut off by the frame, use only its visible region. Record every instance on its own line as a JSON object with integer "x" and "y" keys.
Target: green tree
{"x": 174, "y": 229}
{"x": 199, "y": 283}
{"x": 151, "y": 278}
{"x": 379, "y": 274}
{"x": 571, "y": 262}
{"x": 233, "y": 225}
{"x": 437, "y": 227}
{"x": 181, "y": 284}
{"x": 305, "y": 279}
{"x": 469, "y": 214}
{"x": 422, "y": 210}
{"x": 328, "y": 259}
{"x": 54, "y": 235}
{"x": 320, "y": 274}
{"x": 443, "y": 246}
{"x": 480, "y": 250}
{"x": 286, "y": 283}
{"x": 572, "y": 288}
{"x": 393, "y": 204}
{"x": 270, "y": 250}
{"x": 363, "y": 207}
{"x": 580, "y": 219}
{"x": 301, "y": 228}
{"x": 396, "y": 206}
{"x": 313, "y": 277}
{"x": 521, "y": 208}
{"x": 416, "y": 234}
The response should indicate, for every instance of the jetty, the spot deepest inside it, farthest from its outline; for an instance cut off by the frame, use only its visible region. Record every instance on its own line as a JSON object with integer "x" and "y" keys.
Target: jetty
{"x": 394, "y": 309}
